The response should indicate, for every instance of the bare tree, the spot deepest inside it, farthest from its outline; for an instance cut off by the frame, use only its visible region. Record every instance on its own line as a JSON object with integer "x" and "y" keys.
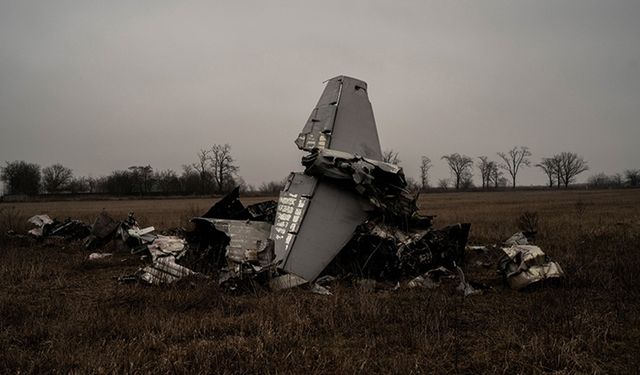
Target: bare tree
{"x": 459, "y": 166}
{"x": 514, "y": 159}
{"x": 56, "y": 177}
{"x": 443, "y": 183}
{"x": 20, "y": 177}
{"x": 466, "y": 180}
{"x": 412, "y": 185}
{"x": 556, "y": 161}
{"x": 142, "y": 177}
{"x": 425, "y": 165}
{"x": 120, "y": 183}
{"x": 202, "y": 168}
{"x": 601, "y": 180}
{"x": 571, "y": 166}
{"x": 190, "y": 182}
{"x": 495, "y": 175}
{"x": 77, "y": 185}
{"x": 632, "y": 177}
{"x": 223, "y": 167}
{"x": 548, "y": 166}
{"x": 486, "y": 168}
{"x": 617, "y": 180}
{"x": 167, "y": 181}
{"x": 390, "y": 156}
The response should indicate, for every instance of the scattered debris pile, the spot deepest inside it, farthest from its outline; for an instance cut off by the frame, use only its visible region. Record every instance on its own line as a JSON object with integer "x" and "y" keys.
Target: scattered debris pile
{"x": 382, "y": 184}
{"x": 386, "y": 252}
{"x": 67, "y": 229}
{"x": 393, "y": 243}
{"x": 525, "y": 264}
{"x": 233, "y": 243}
{"x": 348, "y": 215}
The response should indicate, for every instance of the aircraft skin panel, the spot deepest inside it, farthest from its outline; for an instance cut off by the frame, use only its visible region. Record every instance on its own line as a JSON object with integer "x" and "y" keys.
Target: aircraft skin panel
{"x": 331, "y": 218}
{"x": 342, "y": 120}
{"x": 354, "y": 129}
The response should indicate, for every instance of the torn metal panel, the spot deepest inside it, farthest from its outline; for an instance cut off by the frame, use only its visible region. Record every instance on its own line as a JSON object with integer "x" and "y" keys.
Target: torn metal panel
{"x": 332, "y": 215}
{"x": 263, "y": 211}
{"x": 519, "y": 238}
{"x": 249, "y": 241}
{"x": 383, "y": 184}
{"x": 162, "y": 246}
{"x": 286, "y": 282}
{"x": 317, "y": 130}
{"x": 102, "y": 230}
{"x": 249, "y": 250}
{"x": 69, "y": 229}
{"x": 384, "y": 252}
{"x": 524, "y": 265}
{"x": 300, "y": 183}
{"x": 229, "y": 207}
{"x": 144, "y": 235}
{"x": 331, "y": 219}
{"x": 164, "y": 270}
{"x": 40, "y": 221}
{"x": 347, "y": 166}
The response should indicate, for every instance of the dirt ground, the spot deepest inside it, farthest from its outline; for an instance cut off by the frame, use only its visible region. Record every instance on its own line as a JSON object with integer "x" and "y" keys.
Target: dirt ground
{"x": 60, "y": 312}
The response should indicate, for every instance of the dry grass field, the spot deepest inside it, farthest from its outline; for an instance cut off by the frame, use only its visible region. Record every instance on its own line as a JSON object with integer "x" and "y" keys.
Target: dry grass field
{"x": 60, "y": 312}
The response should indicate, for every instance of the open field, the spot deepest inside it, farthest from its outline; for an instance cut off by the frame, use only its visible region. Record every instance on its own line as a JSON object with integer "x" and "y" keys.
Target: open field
{"x": 59, "y": 311}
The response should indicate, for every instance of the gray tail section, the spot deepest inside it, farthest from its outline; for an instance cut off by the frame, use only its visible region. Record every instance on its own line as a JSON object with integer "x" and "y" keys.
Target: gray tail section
{"x": 342, "y": 120}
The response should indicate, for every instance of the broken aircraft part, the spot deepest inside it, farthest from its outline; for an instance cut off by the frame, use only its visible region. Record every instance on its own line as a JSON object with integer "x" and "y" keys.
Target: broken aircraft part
{"x": 383, "y": 184}
{"x": 69, "y": 229}
{"x": 249, "y": 249}
{"x": 343, "y": 121}
{"x": 321, "y": 213}
{"x": 164, "y": 270}
{"x": 40, "y": 221}
{"x": 102, "y": 230}
{"x": 348, "y": 213}
{"x": 525, "y": 265}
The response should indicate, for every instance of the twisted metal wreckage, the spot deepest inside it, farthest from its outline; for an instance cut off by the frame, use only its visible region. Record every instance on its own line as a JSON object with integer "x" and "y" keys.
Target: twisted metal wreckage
{"x": 348, "y": 213}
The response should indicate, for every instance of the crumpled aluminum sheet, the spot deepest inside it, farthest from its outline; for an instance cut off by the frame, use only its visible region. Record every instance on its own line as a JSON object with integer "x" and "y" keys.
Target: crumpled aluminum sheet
{"x": 39, "y": 221}
{"x": 524, "y": 265}
{"x": 164, "y": 270}
{"x": 167, "y": 245}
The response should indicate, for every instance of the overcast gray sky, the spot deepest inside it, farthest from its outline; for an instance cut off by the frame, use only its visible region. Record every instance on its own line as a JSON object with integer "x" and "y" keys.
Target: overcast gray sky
{"x": 103, "y": 85}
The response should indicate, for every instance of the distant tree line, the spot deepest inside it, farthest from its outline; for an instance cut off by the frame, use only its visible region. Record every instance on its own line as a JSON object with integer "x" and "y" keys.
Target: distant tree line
{"x": 560, "y": 169}
{"x": 214, "y": 172}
